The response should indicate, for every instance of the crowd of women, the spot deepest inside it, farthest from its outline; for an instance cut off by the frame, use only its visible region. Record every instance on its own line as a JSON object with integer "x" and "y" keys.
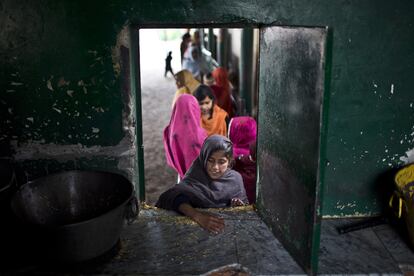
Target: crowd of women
{"x": 212, "y": 149}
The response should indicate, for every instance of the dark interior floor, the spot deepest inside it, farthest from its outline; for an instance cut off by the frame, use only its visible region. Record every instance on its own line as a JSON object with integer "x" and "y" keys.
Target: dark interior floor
{"x": 379, "y": 250}
{"x": 162, "y": 243}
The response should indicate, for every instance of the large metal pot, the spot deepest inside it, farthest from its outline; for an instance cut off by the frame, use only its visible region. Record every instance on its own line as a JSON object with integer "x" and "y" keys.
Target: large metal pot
{"x": 76, "y": 215}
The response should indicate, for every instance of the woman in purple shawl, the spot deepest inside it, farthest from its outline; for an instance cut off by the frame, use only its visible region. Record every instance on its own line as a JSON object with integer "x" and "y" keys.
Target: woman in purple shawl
{"x": 184, "y": 135}
{"x": 209, "y": 183}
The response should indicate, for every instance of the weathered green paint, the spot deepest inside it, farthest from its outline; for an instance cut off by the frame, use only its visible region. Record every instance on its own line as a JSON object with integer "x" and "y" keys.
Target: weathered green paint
{"x": 56, "y": 88}
{"x": 136, "y": 90}
{"x": 372, "y": 56}
{"x": 319, "y": 195}
{"x": 290, "y": 101}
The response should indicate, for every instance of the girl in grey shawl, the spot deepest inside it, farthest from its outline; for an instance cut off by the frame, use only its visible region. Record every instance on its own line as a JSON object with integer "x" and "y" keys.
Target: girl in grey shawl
{"x": 209, "y": 183}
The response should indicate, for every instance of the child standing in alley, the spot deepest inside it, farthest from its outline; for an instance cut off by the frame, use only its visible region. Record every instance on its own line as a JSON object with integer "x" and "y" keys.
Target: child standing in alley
{"x": 168, "y": 67}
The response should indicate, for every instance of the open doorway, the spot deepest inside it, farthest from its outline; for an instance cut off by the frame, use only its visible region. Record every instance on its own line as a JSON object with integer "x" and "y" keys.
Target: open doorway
{"x": 291, "y": 137}
{"x": 158, "y": 86}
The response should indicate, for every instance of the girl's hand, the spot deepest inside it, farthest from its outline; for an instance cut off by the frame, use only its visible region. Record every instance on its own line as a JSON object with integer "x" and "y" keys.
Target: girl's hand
{"x": 209, "y": 222}
{"x": 236, "y": 202}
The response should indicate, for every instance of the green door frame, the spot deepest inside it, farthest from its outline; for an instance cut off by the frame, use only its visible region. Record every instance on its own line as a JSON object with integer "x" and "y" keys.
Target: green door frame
{"x": 136, "y": 89}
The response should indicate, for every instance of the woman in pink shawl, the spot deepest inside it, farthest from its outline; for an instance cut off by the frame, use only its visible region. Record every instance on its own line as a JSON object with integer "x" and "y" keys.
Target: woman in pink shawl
{"x": 242, "y": 132}
{"x": 184, "y": 136}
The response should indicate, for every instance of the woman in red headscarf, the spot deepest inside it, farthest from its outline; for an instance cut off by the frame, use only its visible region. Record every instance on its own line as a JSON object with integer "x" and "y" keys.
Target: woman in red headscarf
{"x": 221, "y": 90}
{"x": 184, "y": 136}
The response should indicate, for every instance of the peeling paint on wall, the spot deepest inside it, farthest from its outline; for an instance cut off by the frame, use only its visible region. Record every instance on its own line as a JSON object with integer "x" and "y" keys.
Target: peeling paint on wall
{"x": 70, "y": 93}
{"x": 396, "y": 159}
{"x": 49, "y": 85}
{"x": 39, "y": 150}
{"x": 349, "y": 207}
{"x": 122, "y": 40}
{"x": 57, "y": 110}
{"x": 124, "y": 152}
{"x": 409, "y": 157}
{"x": 69, "y": 114}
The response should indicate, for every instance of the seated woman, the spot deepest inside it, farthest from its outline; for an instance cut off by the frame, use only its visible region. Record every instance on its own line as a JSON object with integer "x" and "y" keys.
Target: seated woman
{"x": 246, "y": 166}
{"x": 209, "y": 183}
{"x": 186, "y": 84}
{"x": 213, "y": 118}
{"x": 184, "y": 136}
{"x": 242, "y": 133}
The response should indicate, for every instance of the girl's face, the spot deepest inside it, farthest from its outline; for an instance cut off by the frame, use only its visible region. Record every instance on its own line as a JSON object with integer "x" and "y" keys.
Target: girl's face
{"x": 206, "y": 105}
{"x": 217, "y": 164}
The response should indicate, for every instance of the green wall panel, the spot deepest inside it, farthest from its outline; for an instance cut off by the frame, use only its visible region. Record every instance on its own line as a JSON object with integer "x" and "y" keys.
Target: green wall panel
{"x": 292, "y": 78}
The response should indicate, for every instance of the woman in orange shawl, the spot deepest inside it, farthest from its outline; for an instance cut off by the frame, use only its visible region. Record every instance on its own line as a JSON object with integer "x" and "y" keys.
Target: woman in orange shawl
{"x": 186, "y": 84}
{"x": 213, "y": 119}
{"x": 221, "y": 89}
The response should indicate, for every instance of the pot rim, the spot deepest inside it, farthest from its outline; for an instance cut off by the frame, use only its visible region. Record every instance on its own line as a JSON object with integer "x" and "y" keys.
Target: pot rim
{"x": 51, "y": 226}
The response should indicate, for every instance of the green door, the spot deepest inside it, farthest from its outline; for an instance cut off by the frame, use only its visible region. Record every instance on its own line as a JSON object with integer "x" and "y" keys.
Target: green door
{"x": 291, "y": 91}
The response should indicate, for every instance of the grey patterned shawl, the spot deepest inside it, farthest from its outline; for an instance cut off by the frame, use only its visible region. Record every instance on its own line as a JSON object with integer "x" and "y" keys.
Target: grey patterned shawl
{"x": 203, "y": 191}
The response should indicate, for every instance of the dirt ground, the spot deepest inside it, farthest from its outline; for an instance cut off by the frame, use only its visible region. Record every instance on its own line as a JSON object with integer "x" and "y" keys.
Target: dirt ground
{"x": 157, "y": 94}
